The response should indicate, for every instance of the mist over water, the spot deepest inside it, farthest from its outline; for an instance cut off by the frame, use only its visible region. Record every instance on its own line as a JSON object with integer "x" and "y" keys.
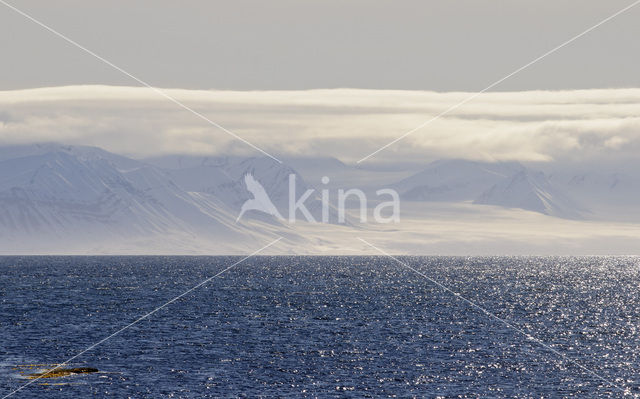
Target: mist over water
{"x": 322, "y": 326}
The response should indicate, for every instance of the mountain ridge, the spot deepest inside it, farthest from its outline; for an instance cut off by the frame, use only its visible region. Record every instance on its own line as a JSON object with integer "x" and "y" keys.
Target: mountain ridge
{"x": 85, "y": 199}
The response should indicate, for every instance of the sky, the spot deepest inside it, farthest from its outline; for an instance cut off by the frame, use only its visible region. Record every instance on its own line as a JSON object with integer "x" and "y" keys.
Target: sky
{"x": 326, "y": 78}
{"x": 443, "y": 45}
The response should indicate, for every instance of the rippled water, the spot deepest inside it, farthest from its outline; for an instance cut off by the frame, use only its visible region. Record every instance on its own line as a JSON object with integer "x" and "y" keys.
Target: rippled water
{"x": 322, "y": 327}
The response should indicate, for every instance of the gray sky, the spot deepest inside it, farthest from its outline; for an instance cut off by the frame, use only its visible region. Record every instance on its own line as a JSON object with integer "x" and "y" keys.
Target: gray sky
{"x": 290, "y": 44}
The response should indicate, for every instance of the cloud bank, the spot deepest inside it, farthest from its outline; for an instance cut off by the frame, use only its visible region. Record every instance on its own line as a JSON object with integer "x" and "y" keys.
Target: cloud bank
{"x": 580, "y": 125}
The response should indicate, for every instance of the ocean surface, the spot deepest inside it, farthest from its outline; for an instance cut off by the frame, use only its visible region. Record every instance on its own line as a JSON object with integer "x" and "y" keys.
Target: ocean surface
{"x": 341, "y": 327}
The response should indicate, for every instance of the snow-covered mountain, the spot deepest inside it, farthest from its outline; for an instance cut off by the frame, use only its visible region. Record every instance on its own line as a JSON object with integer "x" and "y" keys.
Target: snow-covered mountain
{"x": 223, "y": 178}
{"x": 504, "y": 184}
{"x": 599, "y": 187}
{"x": 70, "y": 196}
{"x": 346, "y": 176}
{"x": 75, "y": 199}
{"x": 454, "y": 180}
{"x": 531, "y": 191}
{"x": 608, "y": 194}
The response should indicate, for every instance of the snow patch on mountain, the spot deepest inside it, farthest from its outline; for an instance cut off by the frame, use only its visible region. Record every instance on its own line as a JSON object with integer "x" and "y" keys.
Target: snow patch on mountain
{"x": 530, "y": 191}
{"x": 454, "y": 180}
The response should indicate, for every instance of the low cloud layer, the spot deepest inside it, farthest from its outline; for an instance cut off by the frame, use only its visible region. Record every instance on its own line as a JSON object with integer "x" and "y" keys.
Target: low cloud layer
{"x": 582, "y": 125}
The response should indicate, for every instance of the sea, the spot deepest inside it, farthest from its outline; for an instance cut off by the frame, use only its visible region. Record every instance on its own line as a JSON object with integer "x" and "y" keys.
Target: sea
{"x": 320, "y": 326}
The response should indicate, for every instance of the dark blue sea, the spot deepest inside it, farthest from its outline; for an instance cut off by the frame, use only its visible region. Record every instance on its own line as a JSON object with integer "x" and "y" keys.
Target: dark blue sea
{"x": 296, "y": 327}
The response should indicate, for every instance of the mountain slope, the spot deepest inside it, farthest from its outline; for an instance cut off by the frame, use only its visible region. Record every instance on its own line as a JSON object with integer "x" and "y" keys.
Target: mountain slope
{"x": 223, "y": 178}
{"x": 454, "y": 180}
{"x": 69, "y": 197}
{"x": 530, "y": 191}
